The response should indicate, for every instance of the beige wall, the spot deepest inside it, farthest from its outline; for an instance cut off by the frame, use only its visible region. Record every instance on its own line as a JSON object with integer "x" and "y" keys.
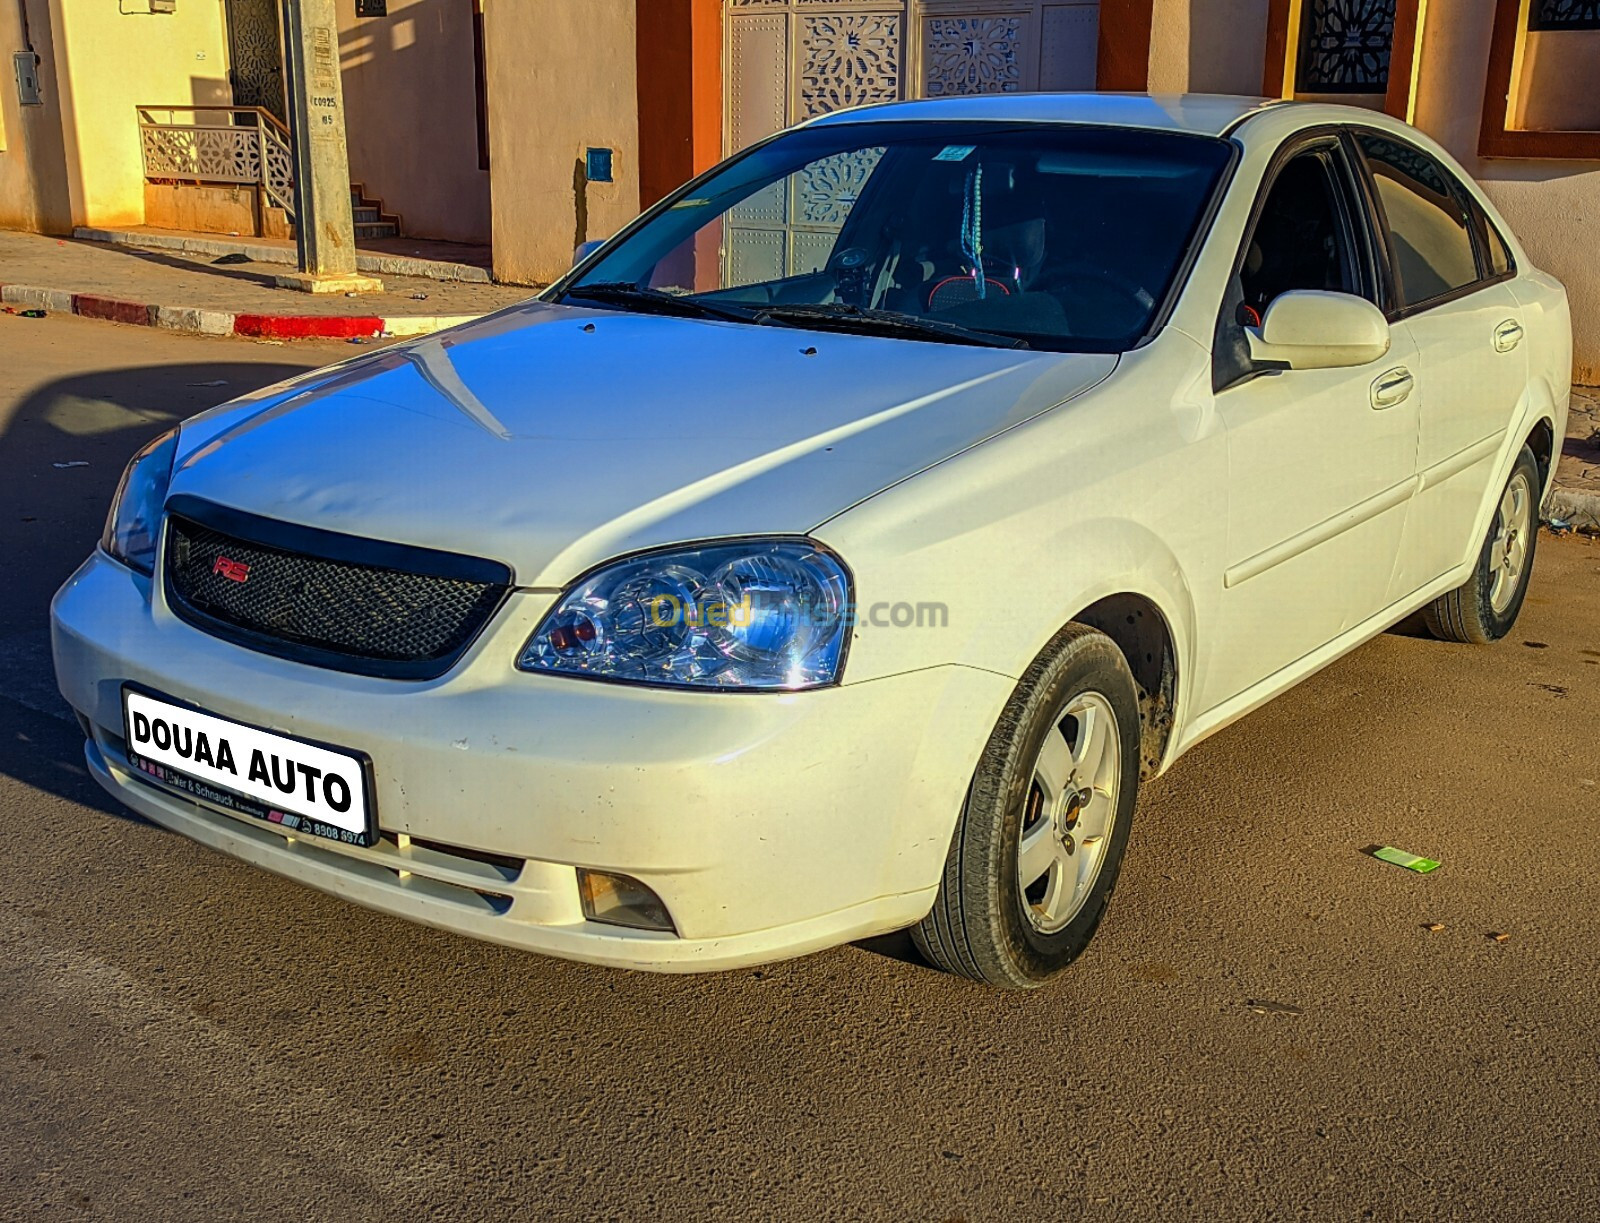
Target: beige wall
{"x": 1207, "y": 46}
{"x": 212, "y": 209}
{"x": 411, "y": 114}
{"x": 1560, "y": 91}
{"x": 1553, "y": 206}
{"x": 107, "y": 62}
{"x": 562, "y": 77}
{"x": 36, "y": 183}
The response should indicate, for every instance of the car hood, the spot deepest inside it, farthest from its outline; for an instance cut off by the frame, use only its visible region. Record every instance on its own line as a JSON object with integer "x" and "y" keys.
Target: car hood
{"x": 553, "y": 438}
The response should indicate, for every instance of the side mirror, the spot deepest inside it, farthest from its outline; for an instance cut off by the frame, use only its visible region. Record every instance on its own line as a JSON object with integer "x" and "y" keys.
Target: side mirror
{"x": 1314, "y": 329}
{"x": 585, "y": 250}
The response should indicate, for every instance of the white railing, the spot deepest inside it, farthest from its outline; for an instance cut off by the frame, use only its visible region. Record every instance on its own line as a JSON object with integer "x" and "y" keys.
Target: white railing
{"x": 218, "y": 144}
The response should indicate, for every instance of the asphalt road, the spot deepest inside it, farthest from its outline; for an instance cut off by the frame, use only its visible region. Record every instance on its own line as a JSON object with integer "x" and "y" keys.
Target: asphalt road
{"x": 185, "y": 1037}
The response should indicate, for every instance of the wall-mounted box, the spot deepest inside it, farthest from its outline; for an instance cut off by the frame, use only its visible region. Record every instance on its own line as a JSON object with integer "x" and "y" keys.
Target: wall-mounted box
{"x": 27, "y": 69}
{"x": 597, "y": 165}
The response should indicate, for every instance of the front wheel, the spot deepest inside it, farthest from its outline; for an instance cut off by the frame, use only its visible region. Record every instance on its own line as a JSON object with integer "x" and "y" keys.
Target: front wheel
{"x": 1041, "y": 837}
{"x": 1484, "y": 607}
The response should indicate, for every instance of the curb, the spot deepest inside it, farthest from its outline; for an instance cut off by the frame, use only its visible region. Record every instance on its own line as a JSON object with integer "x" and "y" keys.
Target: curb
{"x": 192, "y": 320}
{"x": 366, "y": 261}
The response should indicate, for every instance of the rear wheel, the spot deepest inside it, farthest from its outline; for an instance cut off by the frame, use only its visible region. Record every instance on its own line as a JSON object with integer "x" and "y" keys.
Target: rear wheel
{"x": 1040, "y": 841}
{"x": 1484, "y": 607}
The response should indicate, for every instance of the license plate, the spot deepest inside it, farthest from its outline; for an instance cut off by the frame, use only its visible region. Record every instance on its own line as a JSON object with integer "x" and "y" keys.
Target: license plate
{"x": 308, "y": 787}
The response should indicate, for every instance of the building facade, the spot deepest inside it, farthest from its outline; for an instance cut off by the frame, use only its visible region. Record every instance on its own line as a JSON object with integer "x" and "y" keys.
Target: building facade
{"x": 532, "y": 125}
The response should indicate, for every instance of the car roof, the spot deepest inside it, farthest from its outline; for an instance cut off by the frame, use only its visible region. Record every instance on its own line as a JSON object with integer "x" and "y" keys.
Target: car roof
{"x": 1207, "y": 114}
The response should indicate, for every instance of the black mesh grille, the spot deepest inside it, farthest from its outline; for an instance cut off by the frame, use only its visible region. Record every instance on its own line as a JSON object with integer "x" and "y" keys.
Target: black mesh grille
{"x": 324, "y": 610}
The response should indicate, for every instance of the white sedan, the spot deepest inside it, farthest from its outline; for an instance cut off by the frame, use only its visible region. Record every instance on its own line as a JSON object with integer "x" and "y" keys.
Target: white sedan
{"x": 836, "y": 549}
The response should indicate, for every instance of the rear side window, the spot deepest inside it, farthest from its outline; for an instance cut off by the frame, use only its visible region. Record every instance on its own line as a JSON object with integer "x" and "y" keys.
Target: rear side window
{"x": 1430, "y": 228}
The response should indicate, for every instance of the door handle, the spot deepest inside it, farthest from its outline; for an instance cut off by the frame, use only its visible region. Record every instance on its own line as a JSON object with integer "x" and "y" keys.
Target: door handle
{"x": 1392, "y": 387}
{"x": 1508, "y": 335}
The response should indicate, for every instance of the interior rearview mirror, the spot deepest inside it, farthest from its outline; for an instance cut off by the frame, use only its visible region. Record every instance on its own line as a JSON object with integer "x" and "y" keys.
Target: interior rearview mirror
{"x": 1315, "y": 329}
{"x": 586, "y": 249}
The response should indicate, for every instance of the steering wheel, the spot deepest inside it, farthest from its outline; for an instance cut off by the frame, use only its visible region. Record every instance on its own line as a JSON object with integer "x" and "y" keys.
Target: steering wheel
{"x": 852, "y": 273}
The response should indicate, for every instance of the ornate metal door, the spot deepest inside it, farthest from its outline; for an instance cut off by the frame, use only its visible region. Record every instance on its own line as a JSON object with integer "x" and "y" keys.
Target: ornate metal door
{"x": 255, "y": 55}
{"x": 1006, "y": 46}
{"x": 1345, "y": 46}
{"x": 788, "y": 60}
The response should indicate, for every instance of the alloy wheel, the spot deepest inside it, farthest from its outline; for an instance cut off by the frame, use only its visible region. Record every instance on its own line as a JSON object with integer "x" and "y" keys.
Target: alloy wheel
{"x": 1070, "y": 809}
{"x": 1508, "y": 551}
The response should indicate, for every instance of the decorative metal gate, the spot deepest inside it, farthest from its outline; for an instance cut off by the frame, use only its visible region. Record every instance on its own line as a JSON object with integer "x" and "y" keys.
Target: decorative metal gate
{"x": 788, "y": 60}
{"x": 255, "y": 56}
{"x": 1345, "y": 45}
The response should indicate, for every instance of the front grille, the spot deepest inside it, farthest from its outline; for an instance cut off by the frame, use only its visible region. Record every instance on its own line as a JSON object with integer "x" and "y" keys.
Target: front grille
{"x": 329, "y": 600}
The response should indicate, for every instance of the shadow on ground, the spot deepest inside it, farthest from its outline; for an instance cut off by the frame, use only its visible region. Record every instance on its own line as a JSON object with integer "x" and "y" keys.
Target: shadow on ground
{"x": 64, "y": 445}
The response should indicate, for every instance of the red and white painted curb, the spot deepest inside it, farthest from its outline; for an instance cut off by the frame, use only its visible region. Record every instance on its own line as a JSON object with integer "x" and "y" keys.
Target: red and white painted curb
{"x": 196, "y": 321}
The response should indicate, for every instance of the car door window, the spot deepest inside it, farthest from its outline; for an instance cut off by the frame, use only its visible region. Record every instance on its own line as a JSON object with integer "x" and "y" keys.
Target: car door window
{"x": 1429, "y": 225}
{"x": 1305, "y": 236}
{"x": 1301, "y": 240}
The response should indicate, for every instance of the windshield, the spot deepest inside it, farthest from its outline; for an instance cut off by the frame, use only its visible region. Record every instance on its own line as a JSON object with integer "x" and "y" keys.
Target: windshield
{"x": 1055, "y": 237}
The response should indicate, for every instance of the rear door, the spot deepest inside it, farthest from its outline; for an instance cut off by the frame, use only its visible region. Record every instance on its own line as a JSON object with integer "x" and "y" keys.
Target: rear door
{"x": 1451, "y": 278}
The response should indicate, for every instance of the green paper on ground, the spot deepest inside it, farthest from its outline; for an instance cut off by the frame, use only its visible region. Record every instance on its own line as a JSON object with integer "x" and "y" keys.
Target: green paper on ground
{"x": 1399, "y": 857}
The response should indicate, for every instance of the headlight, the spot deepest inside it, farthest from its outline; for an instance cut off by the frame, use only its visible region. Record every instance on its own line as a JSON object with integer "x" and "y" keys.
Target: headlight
{"x": 755, "y": 614}
{"x": 134, "y": 524}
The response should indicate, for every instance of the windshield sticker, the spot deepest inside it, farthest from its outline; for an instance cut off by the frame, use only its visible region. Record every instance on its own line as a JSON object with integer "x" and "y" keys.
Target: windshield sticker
{"x": 956, "y": 152}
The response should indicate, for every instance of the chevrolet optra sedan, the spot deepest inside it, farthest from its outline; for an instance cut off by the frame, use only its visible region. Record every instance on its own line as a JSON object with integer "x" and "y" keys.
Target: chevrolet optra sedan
{"x": 835, "y": 549}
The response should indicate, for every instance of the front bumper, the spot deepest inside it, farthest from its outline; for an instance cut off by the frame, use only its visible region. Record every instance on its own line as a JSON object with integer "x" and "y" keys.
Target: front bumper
{"x": 769, "y": 824}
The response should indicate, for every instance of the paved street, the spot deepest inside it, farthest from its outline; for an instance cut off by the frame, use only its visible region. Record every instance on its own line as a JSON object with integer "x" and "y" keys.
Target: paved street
{"x": 184, "y": 1037}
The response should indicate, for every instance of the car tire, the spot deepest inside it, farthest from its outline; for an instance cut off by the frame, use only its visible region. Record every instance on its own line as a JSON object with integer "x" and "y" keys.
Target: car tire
{"x": 1056, "y": 786}
{"x": 1484, "y": 607}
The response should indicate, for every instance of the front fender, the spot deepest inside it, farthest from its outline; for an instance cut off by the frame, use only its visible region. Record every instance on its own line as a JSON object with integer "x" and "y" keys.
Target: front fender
{"x": 980, "y": 561}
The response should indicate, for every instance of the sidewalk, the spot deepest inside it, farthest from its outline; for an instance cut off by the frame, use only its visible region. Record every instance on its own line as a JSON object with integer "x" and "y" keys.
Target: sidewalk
{"x": 189, "y": 292}
{"x": 425, "y": 257}
{"x": 1576, "y": 496}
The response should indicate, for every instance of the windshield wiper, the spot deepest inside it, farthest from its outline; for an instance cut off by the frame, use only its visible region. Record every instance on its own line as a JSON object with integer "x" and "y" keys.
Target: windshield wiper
{"x": 838, "y": 316}
{"x": 841, "y": 316}
{"x": 654, "y": 301}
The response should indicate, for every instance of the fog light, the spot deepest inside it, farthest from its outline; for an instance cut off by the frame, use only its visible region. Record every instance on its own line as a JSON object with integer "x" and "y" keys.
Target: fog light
{"x": 618, "y": 900}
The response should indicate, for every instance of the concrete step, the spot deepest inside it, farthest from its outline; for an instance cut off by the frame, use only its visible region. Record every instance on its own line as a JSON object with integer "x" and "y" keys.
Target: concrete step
{"x": 368, "y": 228}
{"x": 366, "y": 215}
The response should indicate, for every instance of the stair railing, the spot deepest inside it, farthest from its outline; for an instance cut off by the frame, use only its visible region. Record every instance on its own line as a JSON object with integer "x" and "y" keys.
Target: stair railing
{"x": 218, "y": 144}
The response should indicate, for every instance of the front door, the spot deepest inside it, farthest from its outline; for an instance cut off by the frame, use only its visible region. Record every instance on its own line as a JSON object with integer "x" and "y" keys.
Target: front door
{"x": 255, "y": 55}
{"x": 1320, "y": 462}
